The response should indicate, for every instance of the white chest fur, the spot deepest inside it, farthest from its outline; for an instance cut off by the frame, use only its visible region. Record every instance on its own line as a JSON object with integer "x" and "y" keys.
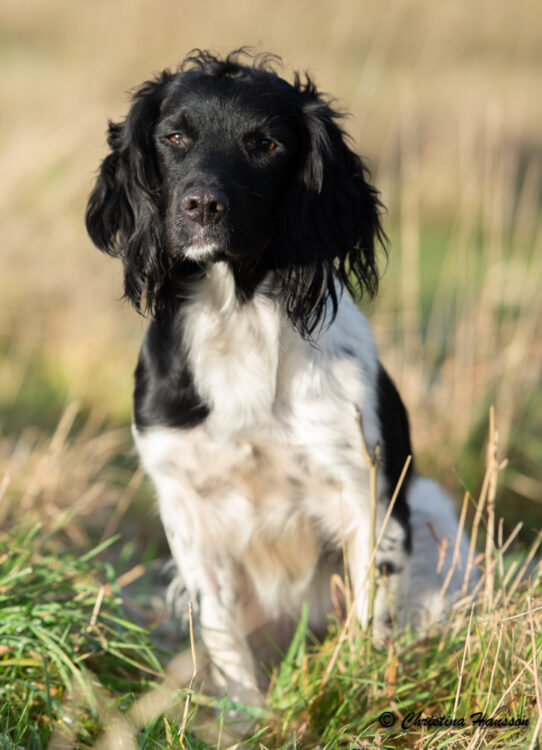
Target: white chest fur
{"x": 234, "y": 354}
{"x": 260, "y": 377}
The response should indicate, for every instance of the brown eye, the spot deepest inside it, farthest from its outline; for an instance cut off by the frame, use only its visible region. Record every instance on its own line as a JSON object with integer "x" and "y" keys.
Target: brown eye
{"x": 266, "y": 144}
{"x": 175, "y": 138}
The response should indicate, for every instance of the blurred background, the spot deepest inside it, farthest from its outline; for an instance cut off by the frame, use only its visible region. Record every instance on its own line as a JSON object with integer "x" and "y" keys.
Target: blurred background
{"x": 446, "y": 103}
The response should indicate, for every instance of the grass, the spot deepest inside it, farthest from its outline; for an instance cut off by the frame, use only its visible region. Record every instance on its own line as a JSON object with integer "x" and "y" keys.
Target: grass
{"x": 446, "y": 111}
{"x": 73, "y": 663}
{"x": 67, "y": 648}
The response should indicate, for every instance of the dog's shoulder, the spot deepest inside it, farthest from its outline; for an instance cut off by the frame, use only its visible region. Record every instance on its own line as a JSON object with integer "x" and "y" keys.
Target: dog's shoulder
{"x": 165, "y": 393}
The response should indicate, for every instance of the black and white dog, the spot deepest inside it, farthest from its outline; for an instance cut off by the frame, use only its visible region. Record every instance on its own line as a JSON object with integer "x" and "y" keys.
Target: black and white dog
{"x": 245, "y": 223}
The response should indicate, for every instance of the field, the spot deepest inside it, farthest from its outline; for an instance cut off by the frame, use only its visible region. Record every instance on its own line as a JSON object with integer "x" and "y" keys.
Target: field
{"x": 446, "y": 109}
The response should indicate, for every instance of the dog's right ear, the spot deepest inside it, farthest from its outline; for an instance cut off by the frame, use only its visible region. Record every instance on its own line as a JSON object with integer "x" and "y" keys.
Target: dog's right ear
{"x": 123, "y": 211}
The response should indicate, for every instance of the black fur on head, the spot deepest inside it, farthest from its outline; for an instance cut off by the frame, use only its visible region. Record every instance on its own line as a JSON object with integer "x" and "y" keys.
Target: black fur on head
{"x": 292, "y": 197}
{"x": 331, "y": 221}
{"x": 124, "y": 216}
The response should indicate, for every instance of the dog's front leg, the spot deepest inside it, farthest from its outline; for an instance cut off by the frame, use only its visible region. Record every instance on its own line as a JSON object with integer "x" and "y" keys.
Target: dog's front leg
{"x": 358, "y": 552}
{"x": 223, "y": 631}
{"x": 392, "y": 563}
{"x": 205, "y": 567}
{"x": 212, "y": 583}
{"x": 381, "y": 552}
{"x": 351, "y": 519}
{"x": 388, "y": 563}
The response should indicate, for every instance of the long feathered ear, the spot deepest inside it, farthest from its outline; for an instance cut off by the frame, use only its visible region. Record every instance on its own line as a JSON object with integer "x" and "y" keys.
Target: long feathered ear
{"x": 331, "y": 219}
{"x": 123, "y": 211}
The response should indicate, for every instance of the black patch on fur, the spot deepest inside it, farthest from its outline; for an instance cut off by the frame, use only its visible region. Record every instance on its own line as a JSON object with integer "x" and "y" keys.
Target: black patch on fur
{"x": 246, "y": 280}
{"x": 395, "y": 431}
{"x": 388, "y": 568}
{"x": 165, "y": 394}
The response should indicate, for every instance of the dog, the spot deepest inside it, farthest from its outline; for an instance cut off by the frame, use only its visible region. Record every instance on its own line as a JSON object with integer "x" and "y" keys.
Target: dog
{"x": 247, "y": 226}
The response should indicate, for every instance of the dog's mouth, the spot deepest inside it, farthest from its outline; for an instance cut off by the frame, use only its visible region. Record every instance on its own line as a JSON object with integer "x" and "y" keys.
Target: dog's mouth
{"x": 217, "y": 242}
{"x": 202, "y": 252}
{"x": 200, "y": 244}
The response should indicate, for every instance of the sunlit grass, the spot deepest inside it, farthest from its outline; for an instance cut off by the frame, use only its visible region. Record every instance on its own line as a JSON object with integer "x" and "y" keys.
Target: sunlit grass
{"x": 73, "y": 664}
{"x": 445, "y": 109}
{"x": 67, "y": 649}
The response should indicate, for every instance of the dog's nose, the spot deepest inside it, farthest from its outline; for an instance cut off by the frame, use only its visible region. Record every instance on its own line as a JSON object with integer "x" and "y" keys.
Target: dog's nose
{"x": 205, "y": 205}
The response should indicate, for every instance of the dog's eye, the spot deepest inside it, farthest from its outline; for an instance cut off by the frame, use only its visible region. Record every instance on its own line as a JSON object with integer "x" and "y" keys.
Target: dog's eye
{"x": 176, "y": 138}
{"x": 266, "y": 144}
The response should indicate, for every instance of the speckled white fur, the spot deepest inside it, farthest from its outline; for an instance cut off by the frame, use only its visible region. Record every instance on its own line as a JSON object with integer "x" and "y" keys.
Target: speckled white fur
{"x": 276, "y": 472}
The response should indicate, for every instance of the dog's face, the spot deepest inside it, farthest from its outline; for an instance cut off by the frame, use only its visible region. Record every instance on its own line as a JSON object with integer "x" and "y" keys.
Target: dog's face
{"x": 226, "y": 156}
{"x": 224, "y": 161}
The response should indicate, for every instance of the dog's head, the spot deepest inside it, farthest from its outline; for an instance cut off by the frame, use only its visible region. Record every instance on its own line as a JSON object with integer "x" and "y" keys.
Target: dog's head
{"x": 227, "y": 161}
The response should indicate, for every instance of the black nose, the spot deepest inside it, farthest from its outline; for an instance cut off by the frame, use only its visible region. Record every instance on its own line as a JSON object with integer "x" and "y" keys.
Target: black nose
{"x": 205, "y": 205}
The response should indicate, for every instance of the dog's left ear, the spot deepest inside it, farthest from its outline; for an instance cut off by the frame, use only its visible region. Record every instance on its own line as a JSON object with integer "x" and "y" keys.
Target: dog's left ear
{"x": 331, "y": 218}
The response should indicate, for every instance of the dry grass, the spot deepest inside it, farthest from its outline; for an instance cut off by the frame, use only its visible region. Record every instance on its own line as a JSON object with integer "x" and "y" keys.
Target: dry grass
{"x": 75, "y": 483}
{"x": 484, "y": 658}
{"x": 445, "y": 104}
{"x": 446, "y": 110}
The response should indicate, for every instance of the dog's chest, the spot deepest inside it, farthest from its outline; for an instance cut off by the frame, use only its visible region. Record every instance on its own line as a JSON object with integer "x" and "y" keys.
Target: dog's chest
{"x": 264, "y": 385}
{"x": 233, "y": 354}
